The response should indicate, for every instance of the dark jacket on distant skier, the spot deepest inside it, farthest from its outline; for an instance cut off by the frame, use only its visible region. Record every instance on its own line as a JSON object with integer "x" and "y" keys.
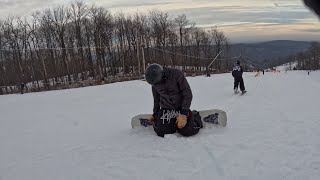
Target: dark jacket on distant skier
{"x": 173, "y": 92}
{"x": 237, "y": 71}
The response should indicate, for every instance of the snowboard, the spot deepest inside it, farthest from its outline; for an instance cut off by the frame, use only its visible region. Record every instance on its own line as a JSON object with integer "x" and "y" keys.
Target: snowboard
{"x": 210, "y": 118}
{"x": 242, "y": 93}
{"x": 239, "y": 92}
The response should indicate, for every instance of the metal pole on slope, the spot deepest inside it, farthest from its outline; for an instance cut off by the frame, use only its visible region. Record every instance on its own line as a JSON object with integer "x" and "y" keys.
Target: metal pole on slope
{"x": 214, "y": 59}
{"x": 207, "y": 69}
{"x": 143, "y": 59}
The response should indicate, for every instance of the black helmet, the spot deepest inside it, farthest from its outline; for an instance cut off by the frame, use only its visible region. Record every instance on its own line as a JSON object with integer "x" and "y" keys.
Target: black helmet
{"x": 154, "y": 74}
{"x": 238, "y": 62}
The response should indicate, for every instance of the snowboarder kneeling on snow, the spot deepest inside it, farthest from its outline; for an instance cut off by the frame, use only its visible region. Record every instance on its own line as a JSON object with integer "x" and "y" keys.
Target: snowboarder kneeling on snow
{"x": 237, "y": 74}
{"x": 172, "y": 99}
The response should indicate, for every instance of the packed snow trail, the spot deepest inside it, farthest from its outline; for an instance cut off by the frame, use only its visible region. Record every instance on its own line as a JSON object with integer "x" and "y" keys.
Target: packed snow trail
{"x": 272, "y": 133}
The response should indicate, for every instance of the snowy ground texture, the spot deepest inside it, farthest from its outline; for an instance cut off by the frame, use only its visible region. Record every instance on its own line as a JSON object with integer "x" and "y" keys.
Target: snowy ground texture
{"x": 85, "y": 134}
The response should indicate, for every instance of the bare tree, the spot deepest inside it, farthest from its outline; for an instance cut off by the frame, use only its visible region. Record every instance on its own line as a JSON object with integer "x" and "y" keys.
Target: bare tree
{"x": 218, "y": 38}
{"x": 315, "y": 53}
{"x": 60, "y": 20}
{"x": 79, "y": 12}
{"x": 62, "y": 45}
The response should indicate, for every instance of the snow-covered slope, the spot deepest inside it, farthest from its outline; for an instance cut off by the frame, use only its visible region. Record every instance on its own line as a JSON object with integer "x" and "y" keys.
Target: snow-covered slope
{"x": 84, "y": 134}
{"x": 287, "y": 66}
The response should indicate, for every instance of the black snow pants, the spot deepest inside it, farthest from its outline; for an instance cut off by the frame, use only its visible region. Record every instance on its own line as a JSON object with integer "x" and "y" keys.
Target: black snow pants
{"x": 165, "y": 123}
{"x": 238, "y": 81}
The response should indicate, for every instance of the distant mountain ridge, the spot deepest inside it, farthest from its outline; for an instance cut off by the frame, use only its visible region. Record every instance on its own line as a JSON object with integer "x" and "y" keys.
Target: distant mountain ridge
{"x": 267, "y": 52}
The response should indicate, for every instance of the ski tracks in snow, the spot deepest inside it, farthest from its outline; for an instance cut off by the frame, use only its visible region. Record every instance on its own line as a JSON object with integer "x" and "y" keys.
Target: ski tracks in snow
{"x": 272, "y": 133}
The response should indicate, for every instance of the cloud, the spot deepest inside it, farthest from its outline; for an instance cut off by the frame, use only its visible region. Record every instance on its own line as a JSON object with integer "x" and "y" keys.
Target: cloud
{"x": 239, "y": 19}
{"x": 133, "y": 4}
{"x": 242, "y": 14}
{"x": 25, "y": 7}
{"x": 313, "y": 30}
{"x": 257, "y": 32}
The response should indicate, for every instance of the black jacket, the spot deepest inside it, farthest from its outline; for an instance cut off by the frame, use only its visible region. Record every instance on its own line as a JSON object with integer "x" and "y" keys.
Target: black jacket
{"x": 314, "y": 5}
{"x": 237, "y": 71}
{"x": 173, "y": 92}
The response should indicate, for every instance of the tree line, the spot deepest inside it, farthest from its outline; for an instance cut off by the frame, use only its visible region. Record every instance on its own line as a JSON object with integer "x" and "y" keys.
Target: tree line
{"x": 307, "y": 60}
{"x": 77, "y": 42}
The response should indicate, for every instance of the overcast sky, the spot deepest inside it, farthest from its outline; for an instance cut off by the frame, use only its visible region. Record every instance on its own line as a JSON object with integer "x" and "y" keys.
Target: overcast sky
{"x": 241, "y": 20}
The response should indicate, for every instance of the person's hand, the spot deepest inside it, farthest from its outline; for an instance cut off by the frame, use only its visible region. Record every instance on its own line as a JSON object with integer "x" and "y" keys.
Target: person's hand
{"x": 151, "y": 119}
{"x": 182, "y": 120}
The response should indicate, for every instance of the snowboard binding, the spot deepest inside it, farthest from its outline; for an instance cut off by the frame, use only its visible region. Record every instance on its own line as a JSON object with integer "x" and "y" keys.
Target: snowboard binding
{"x": 212, "y": 118}
{"x": 145, "y": 122}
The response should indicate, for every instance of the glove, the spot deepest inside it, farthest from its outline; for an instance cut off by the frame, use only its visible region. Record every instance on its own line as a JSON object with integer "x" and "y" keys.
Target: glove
{"x": 182, "y": 119}
{"x": 151, "y": 119}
